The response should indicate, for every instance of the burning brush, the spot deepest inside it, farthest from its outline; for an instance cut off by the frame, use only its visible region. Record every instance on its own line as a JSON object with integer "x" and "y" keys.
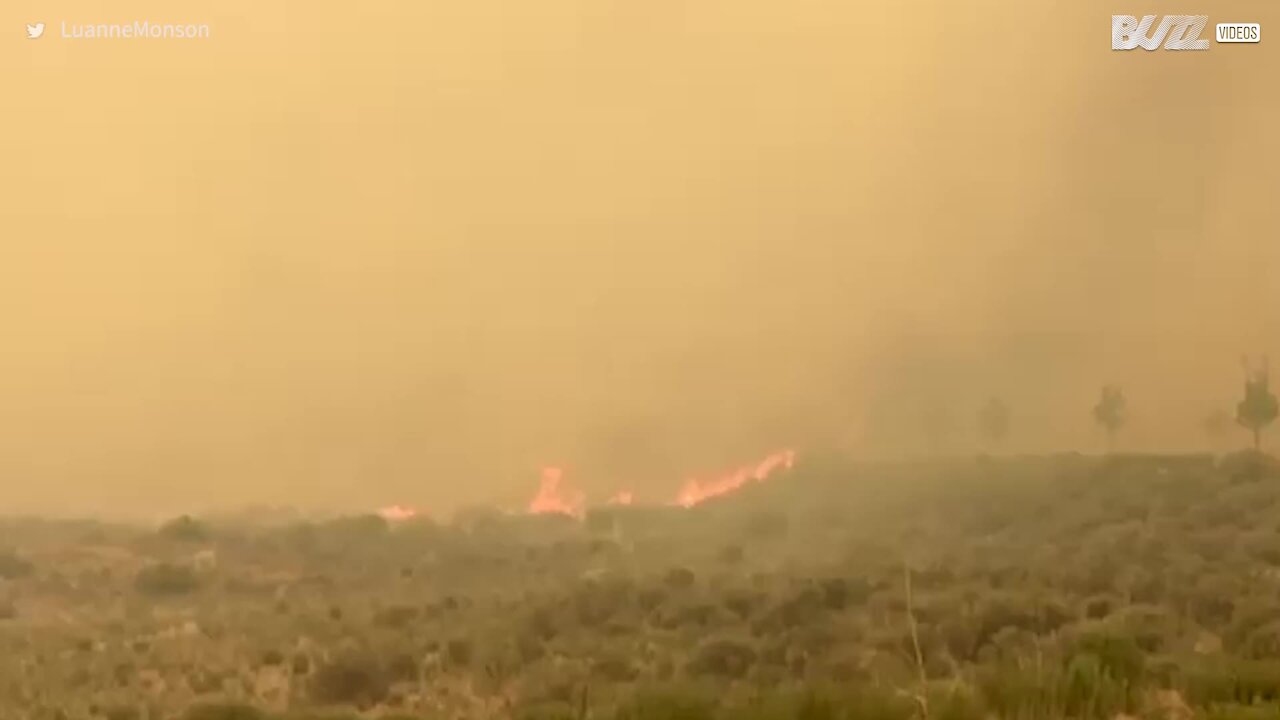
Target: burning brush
{"x": 554, "y": 496}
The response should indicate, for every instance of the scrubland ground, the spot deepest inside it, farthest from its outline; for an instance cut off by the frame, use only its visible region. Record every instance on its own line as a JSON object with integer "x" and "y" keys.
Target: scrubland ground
{"x": 1045, "y": 587}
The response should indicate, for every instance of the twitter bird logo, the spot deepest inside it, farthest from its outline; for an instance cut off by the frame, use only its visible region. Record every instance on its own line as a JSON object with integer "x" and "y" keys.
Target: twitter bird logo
{"x": 35, "y": 31}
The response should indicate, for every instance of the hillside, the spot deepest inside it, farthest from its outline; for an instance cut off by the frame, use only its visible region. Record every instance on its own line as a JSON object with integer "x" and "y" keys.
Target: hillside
{"x": 1038, "y": 587}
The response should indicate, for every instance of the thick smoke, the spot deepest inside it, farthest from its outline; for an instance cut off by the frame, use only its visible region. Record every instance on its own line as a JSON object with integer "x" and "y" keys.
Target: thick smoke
{"x": 306, "y": 264}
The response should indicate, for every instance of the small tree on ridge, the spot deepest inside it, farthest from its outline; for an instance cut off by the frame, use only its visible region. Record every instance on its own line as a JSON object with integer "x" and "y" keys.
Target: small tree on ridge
{"x": 1110, "y": 413}
{"x": 1259, "y": 407}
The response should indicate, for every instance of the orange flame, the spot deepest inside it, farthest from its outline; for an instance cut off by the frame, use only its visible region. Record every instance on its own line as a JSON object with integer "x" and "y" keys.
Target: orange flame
{"x": 695, "y": 492}
{"x": 397, "y": 512}
{"x": 552, "y": 498}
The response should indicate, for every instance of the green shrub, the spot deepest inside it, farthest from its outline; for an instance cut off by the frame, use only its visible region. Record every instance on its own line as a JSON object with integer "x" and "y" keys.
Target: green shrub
{"x": 1118, "y": 656}
{"x": 667, "y": 704}
{"x": 723, "y": 657}
{"x": 1011, "y": 693}
{"x": 163, "y": 579}
{"x": 223, "y": 711}
{"x": 731, "y": 554}
{"x": 548, "y": 710}
{"x": 955, "y": 704}
{"x": 743, "y": 603}
{"x": 459, "y": 652}
{"x": 353, "y": 680}
{"x": 614, "y": 667}
{"x": 823, "y": 702}
{"x": 680, "y": 578}
{"x": 597, "y": 601}
{"x": 1257, "y": 680}
{"x": 14, "y": 567}
{"x": 1241, "y": 712}
{"x": 184, "y": 529}
{"x": 1263, "y": 642}
{"x": 402, "y": 667}
{"x": 396, "y": 616}
{"x": 1091, "y": 688}
{"x": 1226, "y": 681}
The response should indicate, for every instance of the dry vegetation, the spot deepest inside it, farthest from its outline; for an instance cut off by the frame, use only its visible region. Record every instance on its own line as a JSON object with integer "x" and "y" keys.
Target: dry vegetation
{"x": 1060, "y": 587}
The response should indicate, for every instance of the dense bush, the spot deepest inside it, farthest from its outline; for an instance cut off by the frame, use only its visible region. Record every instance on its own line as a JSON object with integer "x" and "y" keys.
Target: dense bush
{"x": 228, "y": 711}
{"x": 668, "y": 704}
{"x": 350, "y": 680}
{"x": 396, "y": 616}
{"x": 723, "y": 657}
{"x": 185, "y": 529}
{"x": 13, "y": 567}
{"x": 165, "y": 579}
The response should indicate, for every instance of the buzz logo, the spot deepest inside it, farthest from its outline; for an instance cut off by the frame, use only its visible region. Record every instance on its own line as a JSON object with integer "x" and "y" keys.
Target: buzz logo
{"x": 1177, "y": 32}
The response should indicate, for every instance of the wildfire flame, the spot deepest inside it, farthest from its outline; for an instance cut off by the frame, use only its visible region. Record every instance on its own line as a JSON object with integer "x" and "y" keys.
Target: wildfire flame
{"x": 397, "y": 512}
{"x": 553, "y": 497}
{"x": 695, "y": 491}
{"x": 556, "y": 496}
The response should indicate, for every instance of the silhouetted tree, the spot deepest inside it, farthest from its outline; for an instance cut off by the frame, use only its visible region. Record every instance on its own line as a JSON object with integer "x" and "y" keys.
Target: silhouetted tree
{"x": 1110, "y": 413}
{"x": 993, "y": 421}
{"x": 1259, "y": 407}
{"x": 185, "y": 529}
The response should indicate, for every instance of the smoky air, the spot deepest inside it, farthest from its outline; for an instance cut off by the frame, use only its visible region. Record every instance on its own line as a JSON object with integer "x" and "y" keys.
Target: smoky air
{"x": 638, "y": 361}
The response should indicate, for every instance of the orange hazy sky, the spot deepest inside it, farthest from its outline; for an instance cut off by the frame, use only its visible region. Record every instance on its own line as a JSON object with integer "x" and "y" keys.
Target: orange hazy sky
{"x": 357, "y": 254}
